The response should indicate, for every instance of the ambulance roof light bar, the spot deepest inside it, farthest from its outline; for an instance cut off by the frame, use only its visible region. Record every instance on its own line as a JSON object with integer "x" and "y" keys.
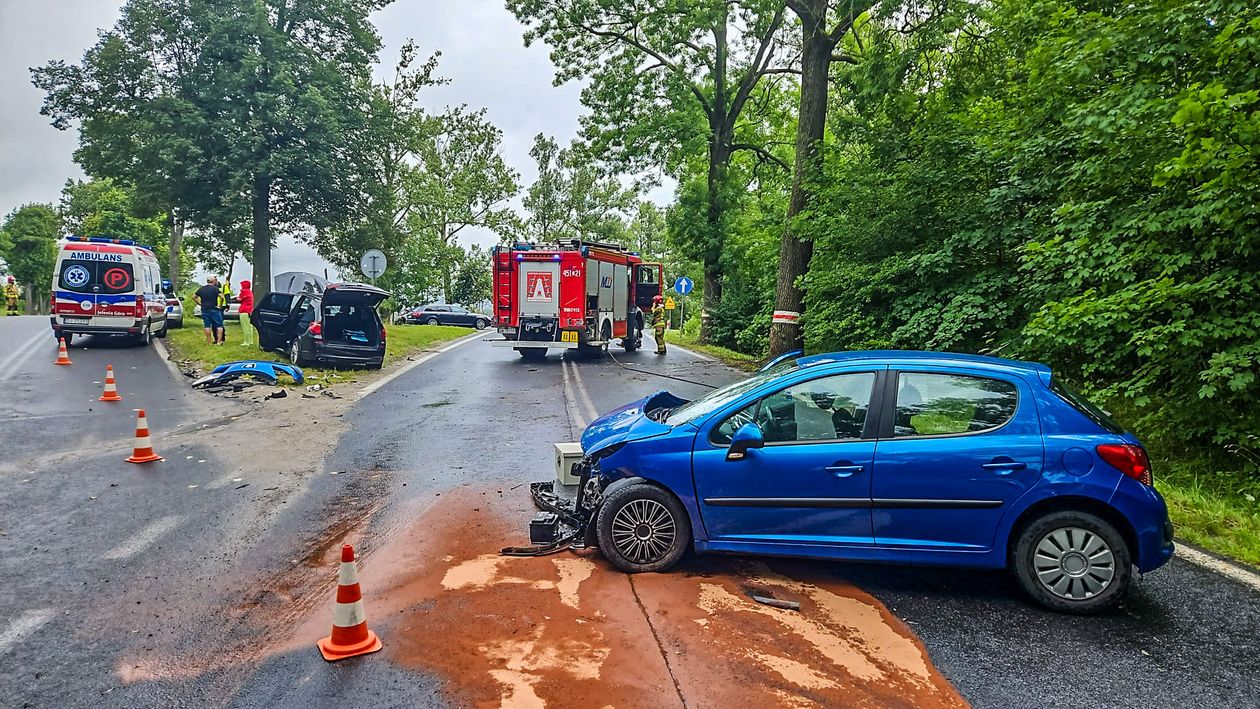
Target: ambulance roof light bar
{"x": 103, "y": 240}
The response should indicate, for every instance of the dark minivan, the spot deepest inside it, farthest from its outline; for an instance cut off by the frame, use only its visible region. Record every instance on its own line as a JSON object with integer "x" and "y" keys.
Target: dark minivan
{"x": 337, "y": 326}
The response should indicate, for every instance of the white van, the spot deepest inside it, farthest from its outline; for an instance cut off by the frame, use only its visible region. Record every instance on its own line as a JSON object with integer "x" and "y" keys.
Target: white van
{"x": 107, "y": 287}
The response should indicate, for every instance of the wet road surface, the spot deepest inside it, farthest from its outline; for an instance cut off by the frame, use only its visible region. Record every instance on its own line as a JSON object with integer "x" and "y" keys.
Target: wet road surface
{"x": 131, "y": 587}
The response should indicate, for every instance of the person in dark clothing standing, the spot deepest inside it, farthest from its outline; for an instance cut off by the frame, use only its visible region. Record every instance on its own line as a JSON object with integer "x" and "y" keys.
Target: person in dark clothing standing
{"x": 207, "y": 297}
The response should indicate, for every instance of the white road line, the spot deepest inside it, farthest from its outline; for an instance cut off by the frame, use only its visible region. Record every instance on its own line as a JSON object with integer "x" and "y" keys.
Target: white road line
{"x": 416, "y": 363}
{"x": 165, "y": 355}
{"x": 570, "y": 401}
{"x": 143, "y": 538}
{"x": 586, "y": 398}
{"x": 1224, "y": 568}
{"x": 692, "y": 353}
{"x": 23, "y": 625}
{"x": 9, "y": 367}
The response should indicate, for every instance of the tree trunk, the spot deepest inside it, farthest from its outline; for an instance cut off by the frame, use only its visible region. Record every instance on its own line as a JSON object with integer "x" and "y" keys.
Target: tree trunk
{"x": 176, "y": 226}
{"x": 262, "y": 234}
{"x": 719, "y": 157}
{"x": 795, "y": 252}
{"x": 30, "y": 299}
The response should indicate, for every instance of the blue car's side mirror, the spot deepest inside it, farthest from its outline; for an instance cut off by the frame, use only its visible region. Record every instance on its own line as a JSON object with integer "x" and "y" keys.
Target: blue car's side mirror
{"x": 748, "y": 436}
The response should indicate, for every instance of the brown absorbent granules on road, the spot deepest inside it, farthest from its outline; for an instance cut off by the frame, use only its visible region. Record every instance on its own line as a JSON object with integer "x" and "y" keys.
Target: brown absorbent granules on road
{"x": 568, "y": 630}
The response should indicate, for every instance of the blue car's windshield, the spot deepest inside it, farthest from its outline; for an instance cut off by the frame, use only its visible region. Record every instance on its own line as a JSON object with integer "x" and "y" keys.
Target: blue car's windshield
{"x": 718, "y": 398}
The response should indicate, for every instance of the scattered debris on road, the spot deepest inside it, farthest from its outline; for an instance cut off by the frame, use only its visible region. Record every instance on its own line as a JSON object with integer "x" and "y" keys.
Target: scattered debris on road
{"x": 268, "y": 372}
{"x": 776, "y": 603}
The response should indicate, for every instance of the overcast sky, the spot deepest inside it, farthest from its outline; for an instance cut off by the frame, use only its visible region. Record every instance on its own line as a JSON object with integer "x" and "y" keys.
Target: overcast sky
{"x": 482, "y": 54}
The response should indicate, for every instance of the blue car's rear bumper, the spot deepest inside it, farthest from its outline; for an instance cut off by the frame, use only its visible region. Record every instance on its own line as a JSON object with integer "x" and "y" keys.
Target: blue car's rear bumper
{"x": 1146, "y": 511}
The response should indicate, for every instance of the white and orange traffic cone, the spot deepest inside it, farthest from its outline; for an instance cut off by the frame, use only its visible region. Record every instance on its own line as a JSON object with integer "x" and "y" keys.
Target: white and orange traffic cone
{"x": 63, "y": 357}
{"x": 143, "y": 451}
{"x": 111, "y": 387}
{"x": 350, "y": 635}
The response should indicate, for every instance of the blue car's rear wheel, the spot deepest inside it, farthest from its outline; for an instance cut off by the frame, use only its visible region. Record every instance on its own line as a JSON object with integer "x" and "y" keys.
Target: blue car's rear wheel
{"x": 1073, "y": 562}
{"x": 642, "y": 528}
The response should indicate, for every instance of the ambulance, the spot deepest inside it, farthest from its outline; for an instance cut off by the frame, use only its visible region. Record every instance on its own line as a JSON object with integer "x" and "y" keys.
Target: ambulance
{"x": 110, "y": 287}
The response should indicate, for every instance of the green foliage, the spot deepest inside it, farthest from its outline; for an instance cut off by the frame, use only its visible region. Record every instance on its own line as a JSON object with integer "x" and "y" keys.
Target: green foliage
{"x": 573, "y": 199}
{"x": 226, "y": 111}
{"x": 1072, "y": 184}
{"x": 28, "y": 244}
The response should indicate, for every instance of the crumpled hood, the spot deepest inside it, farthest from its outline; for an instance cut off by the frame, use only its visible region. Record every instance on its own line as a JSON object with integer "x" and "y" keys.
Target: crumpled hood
{"x": 628, "y": 423}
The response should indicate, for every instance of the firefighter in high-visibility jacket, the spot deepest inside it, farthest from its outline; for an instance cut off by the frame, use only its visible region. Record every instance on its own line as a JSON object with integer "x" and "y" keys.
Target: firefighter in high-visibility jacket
{"x": 11, "y": 296}
{"x": 658, "y": 323}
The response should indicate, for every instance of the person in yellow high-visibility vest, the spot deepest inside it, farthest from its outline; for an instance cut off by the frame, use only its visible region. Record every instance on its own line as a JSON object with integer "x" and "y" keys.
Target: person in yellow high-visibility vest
{"x": 12, "y": 295}
{"x": 658, "y": 323}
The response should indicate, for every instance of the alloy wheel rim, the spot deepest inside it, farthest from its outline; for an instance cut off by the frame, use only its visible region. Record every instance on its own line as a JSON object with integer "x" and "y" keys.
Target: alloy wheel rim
{"x": 1074, "y": 563}
{"x": 643, "y": 531}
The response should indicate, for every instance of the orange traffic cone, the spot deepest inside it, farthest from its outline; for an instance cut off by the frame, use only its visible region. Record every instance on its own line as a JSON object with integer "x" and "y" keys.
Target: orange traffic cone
{"x": 143, "y": 451}
{"x": 350, "y": 634}
{"x": 111, "y": 388}
{"x": 63, "y": 357}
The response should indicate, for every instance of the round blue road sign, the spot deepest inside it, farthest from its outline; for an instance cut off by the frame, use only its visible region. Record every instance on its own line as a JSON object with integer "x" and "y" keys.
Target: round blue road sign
{"x": 684, "y": 285}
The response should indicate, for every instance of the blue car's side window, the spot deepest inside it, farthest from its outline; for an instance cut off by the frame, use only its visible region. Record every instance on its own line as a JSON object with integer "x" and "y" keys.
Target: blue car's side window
{"x": 825, "y": 409}
{"x": 933, "y": 404}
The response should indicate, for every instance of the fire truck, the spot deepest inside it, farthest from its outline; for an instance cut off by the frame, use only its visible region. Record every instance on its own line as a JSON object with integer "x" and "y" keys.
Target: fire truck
{"x": 577, "y": 295}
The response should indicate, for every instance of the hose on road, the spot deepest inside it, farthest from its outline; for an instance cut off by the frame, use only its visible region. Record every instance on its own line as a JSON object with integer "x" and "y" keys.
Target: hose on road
{"x": 627, "y": 367}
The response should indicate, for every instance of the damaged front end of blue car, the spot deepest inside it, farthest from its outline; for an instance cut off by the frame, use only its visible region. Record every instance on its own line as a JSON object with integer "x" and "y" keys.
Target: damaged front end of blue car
{"x": 566, "y": 512}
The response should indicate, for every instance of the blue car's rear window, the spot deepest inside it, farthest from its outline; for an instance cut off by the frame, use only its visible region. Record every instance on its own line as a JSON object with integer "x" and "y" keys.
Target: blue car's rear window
{"x": 1084, "y": 406}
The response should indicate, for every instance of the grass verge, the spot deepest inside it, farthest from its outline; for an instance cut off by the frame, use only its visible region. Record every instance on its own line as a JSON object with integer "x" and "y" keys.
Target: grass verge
{"x": 188, "y": 345}
{"x": 739, "y": 360}
{"x": 1216, "y": 510}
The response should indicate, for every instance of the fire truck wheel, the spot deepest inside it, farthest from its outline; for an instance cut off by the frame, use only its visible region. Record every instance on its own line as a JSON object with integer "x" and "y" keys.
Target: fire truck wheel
{"x": 532, "y": 354}
{"x": 642, "y": 528}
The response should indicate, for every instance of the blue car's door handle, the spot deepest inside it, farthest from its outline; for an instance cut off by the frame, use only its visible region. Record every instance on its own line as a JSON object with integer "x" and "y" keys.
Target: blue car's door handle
{"x": 843, "y": 471}
{"x": 1005, "y": 465}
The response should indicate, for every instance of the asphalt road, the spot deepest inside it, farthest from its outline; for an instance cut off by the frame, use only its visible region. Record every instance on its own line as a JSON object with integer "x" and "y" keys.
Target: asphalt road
{"x": 141, "y": 586}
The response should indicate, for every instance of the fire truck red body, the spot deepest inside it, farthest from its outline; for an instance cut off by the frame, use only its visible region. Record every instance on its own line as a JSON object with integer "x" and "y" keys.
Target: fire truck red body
{"x": 578, "y": 295}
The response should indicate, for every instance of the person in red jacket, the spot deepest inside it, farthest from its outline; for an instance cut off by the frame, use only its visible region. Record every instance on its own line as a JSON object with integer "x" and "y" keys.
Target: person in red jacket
{"x": 246, "y": 298}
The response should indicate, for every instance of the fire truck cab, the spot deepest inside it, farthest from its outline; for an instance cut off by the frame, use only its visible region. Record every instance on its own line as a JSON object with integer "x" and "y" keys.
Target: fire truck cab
{"x": 579, "y": 295}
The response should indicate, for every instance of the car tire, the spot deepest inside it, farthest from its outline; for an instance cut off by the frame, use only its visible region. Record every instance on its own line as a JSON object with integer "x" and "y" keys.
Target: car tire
{"x": 431, "y": 320}
{"x": 295, "y": 353}
{"x": 481, "y": 324}
{"x": 533, "y": 354}
{"x": 1072, "y": 562}
{"x": 166, "y": 325}
{"x": 642, "y": 528}
{"x": 145, "y": 336}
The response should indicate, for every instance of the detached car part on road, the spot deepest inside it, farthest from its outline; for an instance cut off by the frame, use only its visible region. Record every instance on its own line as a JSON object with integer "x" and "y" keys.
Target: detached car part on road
{"x": 905, "y": 457}
{"x": 338, "y": 326}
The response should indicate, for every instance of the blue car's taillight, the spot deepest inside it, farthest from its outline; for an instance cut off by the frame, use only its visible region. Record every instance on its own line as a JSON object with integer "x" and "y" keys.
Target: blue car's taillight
{"x": 1128, "y": 459}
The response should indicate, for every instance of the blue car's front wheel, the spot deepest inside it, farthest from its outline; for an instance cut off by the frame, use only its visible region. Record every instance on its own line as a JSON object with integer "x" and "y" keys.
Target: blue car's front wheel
{"x": 642, "y": 528}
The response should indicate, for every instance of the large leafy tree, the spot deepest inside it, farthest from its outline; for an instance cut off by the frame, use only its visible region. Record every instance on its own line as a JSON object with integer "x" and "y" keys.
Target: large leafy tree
{"x": 573, "y": 198}
{"x": 252, "y": 108}
{"x": 29, "y": 237}
{"x": 667, "y": 81}
{"x": 460, "y": 182}
{"x": 823, "y": 24}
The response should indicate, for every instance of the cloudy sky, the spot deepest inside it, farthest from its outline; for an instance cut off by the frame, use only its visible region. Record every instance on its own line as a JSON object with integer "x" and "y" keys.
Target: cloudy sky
{"x": 482, "y": 54}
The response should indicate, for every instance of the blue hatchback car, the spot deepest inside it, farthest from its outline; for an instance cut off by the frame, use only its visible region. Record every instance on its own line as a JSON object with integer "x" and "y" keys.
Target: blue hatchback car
{"x": 884, "y": 456}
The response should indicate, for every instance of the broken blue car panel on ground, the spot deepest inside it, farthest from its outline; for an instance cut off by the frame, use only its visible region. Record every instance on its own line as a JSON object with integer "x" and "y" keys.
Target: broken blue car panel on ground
{"x": 269, "y": 372}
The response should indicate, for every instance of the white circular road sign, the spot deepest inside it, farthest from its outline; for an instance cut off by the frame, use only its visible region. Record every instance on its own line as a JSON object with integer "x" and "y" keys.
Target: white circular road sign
{"x": 373, "y": 263}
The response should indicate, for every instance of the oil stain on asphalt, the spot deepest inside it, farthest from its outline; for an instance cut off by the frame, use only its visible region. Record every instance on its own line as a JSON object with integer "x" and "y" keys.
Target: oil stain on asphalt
{"x": 567, "y": 630}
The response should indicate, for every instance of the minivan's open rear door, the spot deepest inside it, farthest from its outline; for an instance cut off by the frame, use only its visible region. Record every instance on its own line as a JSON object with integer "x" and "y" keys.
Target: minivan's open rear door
{"x": 354, "y": 294}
